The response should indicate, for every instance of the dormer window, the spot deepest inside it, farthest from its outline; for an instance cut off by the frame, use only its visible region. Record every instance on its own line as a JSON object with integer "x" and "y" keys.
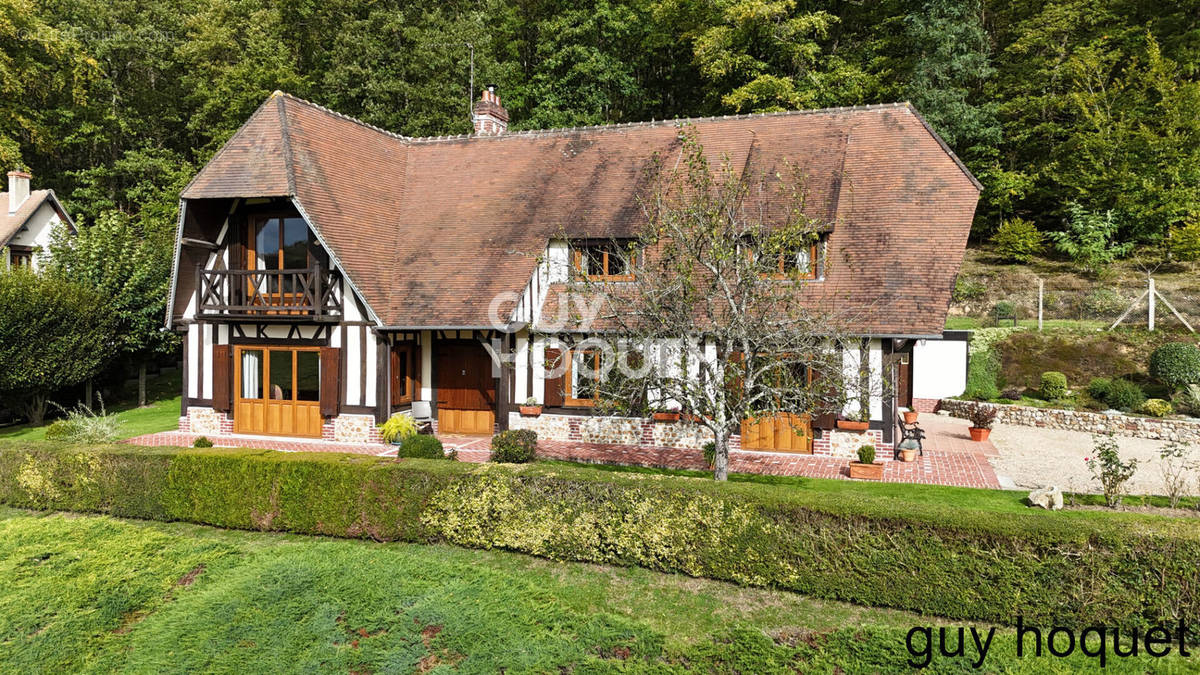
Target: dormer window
{"x": 799, "y": 262}
{"x": 604, "y": 260}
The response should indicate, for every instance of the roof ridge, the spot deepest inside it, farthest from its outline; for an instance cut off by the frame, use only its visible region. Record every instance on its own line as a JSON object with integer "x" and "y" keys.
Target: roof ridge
{"x": 595, "y": 127}
{"x": 283, "y": 94}
{"x": 662, "y": 123}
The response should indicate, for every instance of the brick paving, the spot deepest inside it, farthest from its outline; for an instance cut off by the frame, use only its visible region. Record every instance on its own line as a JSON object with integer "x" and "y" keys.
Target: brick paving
{"x": 951, "y": 458}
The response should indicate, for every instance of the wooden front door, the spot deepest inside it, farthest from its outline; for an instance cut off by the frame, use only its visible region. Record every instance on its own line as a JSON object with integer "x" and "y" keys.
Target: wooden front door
{"x": 783, "y": 432}
{"x": 466, "y": 391}
{"x": 277, "y": 391}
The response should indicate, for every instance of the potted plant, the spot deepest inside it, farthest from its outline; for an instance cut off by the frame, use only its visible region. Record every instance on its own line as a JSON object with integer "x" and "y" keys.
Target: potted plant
{"x": 908, "y": 450}
{"x": 530, "y": 408}
{"x": 859, "y": 425}
{"x": 397, "y": 428}
{"x": 982, "y": 418}
{"x": 910, "y": 416}
{"x": 866, "y": 467}
{"x": 666, "y": 416}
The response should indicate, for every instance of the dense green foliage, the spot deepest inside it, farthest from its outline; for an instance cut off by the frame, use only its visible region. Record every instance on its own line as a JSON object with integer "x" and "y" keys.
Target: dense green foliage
{"x": 1124, "y": 395}
{"x": 421, "y": 446}
{"x": 1079, "y": 568}
{"x": 1176, "y": 364}
{"x": 1018, "y": 240}
{"x": 1054, "y": 385}
{"x": 97, "y": 594}
{"x": 53, "y": 334}
{"x": 1091, "y": 102}
{"x": 515, "y": 446}
{"x": 1157, "y": 407}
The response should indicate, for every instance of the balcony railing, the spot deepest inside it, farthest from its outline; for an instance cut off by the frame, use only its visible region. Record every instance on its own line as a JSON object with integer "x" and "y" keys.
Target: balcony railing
{"x": 313, "y": 294}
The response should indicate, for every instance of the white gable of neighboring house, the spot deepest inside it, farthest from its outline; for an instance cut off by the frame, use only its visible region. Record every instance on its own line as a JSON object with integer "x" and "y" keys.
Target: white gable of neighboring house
{"x": 27, "y": 219}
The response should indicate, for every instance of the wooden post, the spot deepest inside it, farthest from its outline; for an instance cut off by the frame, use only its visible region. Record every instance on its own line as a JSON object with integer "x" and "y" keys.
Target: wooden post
{"x": 1150, "y": 299}
{"x": 1041, "y": 289}
{"x": 315, "y": 288}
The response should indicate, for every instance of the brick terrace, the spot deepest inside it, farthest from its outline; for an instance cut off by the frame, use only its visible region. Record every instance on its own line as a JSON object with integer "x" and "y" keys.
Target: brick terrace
{"x": 951, "y": 458}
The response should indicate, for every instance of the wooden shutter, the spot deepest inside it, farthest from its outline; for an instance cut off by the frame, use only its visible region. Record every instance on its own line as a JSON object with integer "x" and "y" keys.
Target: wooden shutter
{"x": 222, "y": 378}
{"x": 330, "y": 386}
{"x": 554, "y": 386}
{"x": 394, "y": 381}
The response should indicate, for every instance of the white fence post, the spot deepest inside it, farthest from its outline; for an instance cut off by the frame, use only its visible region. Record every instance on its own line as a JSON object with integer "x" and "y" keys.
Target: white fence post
{"x": 1041, "y": 290}
{"x": 1151, "y": 293}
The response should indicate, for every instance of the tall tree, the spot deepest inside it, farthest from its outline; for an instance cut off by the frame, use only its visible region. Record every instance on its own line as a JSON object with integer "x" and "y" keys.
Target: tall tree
{"x": 53, "y": 334}
{"x": 709, "y": 326}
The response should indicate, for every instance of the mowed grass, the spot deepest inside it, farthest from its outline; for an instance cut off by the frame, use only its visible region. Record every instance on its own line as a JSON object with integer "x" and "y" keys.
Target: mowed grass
{"x": 98, "y": 594}
{"x": 161, "y": 412}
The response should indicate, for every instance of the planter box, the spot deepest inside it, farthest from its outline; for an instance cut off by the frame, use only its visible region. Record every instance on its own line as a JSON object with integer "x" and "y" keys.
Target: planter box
{"x": 666, "y": 417}
{"x": 530, "y": 410}
{"x": 873, "y": 471}
{"x": 853, "y": 425}
{"x": 979, "y": 435}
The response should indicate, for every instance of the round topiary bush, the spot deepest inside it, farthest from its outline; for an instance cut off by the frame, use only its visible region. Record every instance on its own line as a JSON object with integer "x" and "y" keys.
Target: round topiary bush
{"x": 421, "y": 447}
{"x": 1054, "y": 385}
{"x": 1176, "y": 364}
{"x": 515, "y": 446}
{"x": 1125, "y": 395}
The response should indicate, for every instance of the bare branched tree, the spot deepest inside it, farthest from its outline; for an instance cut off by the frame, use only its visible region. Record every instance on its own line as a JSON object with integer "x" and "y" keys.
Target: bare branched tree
{"x": 713, "y": 319}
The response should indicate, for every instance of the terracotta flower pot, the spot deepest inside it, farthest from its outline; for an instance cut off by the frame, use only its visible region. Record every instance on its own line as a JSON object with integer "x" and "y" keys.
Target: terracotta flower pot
{"x": 910, "y": 416}
{"x": 666, "y": 417}
{"x": 853, "y": 425}
{"x": 530, "y": 410}
{"x": 979, "y": 435}
{"x": 873, "y": 471}
{"x": 908, "y": 455}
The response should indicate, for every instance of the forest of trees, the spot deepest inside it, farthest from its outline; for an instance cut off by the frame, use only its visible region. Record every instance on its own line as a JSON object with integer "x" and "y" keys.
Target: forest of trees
{"x": 1071, "y": 112}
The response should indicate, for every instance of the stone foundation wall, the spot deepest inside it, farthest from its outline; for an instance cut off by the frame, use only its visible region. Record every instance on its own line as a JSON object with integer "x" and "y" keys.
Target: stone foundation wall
{"x": 845, "y": 444}
{"x": 341, "y": 429}
{"x": 1155, "y": 428}
{"x": 616, "y": 430}
{"x": 206, "y": 422}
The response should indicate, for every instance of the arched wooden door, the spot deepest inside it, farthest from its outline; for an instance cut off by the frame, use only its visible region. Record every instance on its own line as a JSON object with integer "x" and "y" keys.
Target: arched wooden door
{"x": 466, "y": 391}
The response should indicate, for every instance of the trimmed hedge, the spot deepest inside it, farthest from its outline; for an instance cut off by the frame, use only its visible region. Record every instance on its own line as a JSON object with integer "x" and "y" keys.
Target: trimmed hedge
{"x": 875, "y": 549}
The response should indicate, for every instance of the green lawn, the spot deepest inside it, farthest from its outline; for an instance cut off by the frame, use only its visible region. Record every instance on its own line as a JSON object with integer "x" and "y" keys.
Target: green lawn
{"x": 94, "y": 593}
{"x": 160, "y": 414}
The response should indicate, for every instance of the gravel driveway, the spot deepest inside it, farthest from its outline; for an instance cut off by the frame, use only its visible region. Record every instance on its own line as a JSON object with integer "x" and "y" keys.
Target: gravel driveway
{"x": 1033, "y": 457}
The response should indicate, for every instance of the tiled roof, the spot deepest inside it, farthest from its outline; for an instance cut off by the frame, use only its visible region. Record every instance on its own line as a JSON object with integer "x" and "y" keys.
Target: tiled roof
{"x": 10, "y": 223}
{"x": 431, "y": 229}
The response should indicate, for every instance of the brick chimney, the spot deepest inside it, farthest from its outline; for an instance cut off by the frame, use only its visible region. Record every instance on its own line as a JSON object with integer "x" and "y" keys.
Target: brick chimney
{"x": 18, "y": 189}
{"x": 490, "y": 118}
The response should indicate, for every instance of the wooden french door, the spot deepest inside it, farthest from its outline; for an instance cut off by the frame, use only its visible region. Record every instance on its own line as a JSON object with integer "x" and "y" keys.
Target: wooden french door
{"x": 466, "y": 391}
{"x": 782, "y": 432}
{"x": 277, "y": 391}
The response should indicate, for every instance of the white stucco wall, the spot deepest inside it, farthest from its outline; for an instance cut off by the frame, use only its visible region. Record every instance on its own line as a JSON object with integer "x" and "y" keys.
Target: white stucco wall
{"x": 36, "y": 233}
{"x": 939, "y": 368}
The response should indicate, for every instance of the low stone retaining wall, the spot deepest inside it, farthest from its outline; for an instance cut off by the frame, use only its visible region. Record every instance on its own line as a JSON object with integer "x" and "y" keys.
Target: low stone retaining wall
{"x": 646, "y": 433}
{"x": 1091, "y": 422}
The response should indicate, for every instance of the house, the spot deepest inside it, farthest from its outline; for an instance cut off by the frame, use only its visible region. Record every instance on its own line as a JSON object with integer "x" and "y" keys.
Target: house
{"x": 27, "y": 219}
{"x": 329, "y": 273}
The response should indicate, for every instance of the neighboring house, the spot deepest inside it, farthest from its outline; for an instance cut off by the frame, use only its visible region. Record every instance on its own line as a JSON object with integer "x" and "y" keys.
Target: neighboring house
{"x": 329, "y": 273}
{"x": 27, "y": 220}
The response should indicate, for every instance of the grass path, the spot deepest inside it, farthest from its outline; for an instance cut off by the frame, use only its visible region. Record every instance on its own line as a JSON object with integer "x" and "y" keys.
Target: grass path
{"x": 98, "y": 594}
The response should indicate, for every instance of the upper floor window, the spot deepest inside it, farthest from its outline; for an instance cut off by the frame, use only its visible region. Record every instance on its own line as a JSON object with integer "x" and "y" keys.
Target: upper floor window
{"x": 20, "y": 256}
{"x": 603, "y": 260}
{"x": 799, "y": 262}
{"x": 279, "y": 243}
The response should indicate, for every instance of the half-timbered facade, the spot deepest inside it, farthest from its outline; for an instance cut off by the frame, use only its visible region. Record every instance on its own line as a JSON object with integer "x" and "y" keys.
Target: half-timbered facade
{"x": 329, "y": 274}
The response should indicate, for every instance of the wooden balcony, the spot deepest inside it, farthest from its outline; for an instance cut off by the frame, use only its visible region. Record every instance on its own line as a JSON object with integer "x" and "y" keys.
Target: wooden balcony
{"x": 290, "y": 295}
